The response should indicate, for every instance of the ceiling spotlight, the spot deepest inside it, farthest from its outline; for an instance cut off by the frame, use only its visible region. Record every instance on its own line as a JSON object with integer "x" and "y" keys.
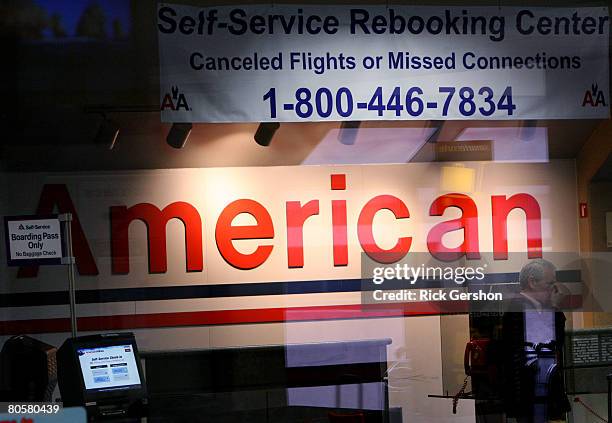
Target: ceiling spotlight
{"x": 179, "y": 132}
{"x": 348, "y": 131}
{"x": 265, "y": 132}
{"x": 107, "y": 133}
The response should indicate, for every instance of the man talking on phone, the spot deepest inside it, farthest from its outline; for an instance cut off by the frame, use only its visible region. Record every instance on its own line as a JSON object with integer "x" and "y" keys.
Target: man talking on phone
{"x": 533, "y": 337}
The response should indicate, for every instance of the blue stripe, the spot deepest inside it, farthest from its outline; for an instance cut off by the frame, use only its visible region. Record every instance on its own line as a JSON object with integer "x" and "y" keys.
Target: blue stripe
{"x": 93, "y": 296}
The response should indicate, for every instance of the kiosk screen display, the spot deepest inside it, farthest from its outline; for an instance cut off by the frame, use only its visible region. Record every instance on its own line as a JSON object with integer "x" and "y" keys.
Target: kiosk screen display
{"x": 109, "y": 367}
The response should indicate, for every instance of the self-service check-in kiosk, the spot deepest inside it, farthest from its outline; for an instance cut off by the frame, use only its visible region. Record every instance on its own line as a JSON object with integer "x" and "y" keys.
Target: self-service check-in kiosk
{"x": 102, "y": 373}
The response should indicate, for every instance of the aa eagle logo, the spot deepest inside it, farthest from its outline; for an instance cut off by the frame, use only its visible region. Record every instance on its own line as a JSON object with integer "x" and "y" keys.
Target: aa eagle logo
{"x": 174, "y": 100}
{"x": 593, "y": 97}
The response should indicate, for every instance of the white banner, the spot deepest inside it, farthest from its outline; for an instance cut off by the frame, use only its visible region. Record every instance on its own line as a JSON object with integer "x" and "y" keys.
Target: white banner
{"x": 313, "y": 63}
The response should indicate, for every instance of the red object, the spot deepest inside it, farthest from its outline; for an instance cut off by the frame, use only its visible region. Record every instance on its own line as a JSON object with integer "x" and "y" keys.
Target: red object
{"x": 297, "y": 214}
{"x": 501, "y": 207}
{"x": 338, "y": 182}
{"x": 340, "y": 233}
{"x": 155, "y": 221}
{"x": 226, "y": 233}
{"x": 356, "y": 417}
{"x": 584, "y": 210}
{"x": 217, "y": 317}
{"x": 468, "y": 222}
{"x": 475, "y": 357}
{"x": 365, "y": 232}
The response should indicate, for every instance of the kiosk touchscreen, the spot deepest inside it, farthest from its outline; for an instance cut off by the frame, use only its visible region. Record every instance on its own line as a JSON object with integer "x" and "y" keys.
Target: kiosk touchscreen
{"x": 103, "y": 373}
{"x": 108, "y": 368}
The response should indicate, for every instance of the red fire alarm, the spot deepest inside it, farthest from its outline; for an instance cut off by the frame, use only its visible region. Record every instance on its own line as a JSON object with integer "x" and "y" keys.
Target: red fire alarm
{"x": 584, "y": 211}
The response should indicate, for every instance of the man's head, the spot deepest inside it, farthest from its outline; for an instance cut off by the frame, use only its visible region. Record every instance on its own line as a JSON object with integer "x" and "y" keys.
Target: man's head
{"x": 537, "y": 278}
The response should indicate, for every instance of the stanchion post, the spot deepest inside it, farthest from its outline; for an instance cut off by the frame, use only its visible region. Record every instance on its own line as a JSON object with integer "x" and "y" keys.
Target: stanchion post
{"x": 609, "y": 398}
{"x": 68, "y": 259}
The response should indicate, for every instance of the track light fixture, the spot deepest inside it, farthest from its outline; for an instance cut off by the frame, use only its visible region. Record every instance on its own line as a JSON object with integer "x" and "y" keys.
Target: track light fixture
{"x": 348, "y": 131}
{"x": 179, "y": 132}
{"x": 265, "y": 132}
{"x": 107, "y": 133}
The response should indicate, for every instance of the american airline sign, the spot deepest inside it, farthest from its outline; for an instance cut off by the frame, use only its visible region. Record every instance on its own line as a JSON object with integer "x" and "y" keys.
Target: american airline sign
{"x": 297, "y": 213}
{"x": 248, "y": 227}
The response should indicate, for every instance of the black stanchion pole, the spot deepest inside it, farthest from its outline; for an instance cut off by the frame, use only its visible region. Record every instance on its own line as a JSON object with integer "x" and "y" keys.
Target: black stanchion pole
{"x": 610, "y": 398}
{"x": 66, "y": 219}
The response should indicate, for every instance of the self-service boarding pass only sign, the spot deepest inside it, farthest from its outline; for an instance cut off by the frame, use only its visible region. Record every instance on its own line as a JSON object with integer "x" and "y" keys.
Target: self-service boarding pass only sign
{"x": 33, "y": 240}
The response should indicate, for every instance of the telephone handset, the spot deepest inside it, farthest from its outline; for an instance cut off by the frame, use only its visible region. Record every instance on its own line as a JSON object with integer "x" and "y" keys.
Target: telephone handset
{"x": 475, "y": 358}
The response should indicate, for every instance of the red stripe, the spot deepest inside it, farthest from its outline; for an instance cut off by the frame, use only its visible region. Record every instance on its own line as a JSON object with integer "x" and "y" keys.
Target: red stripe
{"x": 220, "y": 317}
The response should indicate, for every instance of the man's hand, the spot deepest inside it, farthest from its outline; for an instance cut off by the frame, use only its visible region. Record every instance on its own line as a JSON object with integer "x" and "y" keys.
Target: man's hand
{"x": 559, "y": 296}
